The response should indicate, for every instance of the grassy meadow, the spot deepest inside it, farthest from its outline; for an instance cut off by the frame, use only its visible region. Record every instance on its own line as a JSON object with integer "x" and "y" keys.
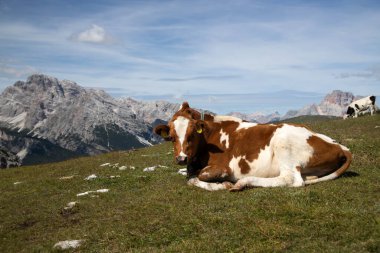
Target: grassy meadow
{"x": 157, "y": 212}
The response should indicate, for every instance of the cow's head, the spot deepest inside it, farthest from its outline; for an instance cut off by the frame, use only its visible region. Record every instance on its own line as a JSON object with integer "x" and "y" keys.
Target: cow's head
{"x": 350, "y": 112}
{"x": 185, "y": 133}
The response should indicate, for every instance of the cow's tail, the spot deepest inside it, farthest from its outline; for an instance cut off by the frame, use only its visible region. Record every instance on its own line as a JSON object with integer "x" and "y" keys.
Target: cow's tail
{"x": 347, "y": 158}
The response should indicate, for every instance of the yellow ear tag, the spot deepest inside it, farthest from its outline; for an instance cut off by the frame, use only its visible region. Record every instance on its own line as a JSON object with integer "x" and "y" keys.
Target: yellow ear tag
{"x": 199, "y": 131}
{"x": 164, "y": 134}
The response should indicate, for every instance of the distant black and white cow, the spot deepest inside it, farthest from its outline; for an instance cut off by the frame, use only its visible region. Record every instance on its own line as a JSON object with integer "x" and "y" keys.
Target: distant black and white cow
{"x": 360, "y": 106}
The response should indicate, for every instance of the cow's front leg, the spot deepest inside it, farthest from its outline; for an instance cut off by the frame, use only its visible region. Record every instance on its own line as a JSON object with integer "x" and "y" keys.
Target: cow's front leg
{"x": 209, "y": 175}
{"x": 213, "y": 173}
{"x": 209, "y": 186}
{"x": 372, "y": 109}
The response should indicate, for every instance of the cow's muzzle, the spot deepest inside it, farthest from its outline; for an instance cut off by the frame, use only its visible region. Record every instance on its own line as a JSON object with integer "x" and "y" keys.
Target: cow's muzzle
{"x": 181, "y": 160}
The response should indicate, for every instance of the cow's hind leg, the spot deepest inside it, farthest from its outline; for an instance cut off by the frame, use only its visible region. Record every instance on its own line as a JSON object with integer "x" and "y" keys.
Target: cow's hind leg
{"x": 292, "y": 179}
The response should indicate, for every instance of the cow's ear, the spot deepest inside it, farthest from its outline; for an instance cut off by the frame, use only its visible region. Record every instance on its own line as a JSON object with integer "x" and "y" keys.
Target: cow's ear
{"x": 200, "y": 126}
{"x": 163, "y": 131}
{"x": 185, "y": 105}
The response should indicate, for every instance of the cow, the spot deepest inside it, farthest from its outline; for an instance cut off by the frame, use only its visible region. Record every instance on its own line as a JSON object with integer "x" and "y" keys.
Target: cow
{"x": 189, "y": 113}
{"x": 361, "y": 106}
{"x": 232, "y": 154}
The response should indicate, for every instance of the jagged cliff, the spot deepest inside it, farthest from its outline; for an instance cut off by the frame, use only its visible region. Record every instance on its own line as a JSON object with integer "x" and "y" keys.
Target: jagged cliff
{"x": 334, "y": 104}
{"x": 47, "y": 119}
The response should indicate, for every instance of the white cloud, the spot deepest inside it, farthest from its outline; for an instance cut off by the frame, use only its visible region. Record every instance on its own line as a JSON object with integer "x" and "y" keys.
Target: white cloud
{"x": 16, "y": 71}
{"x": 373, "y": 72}
{"x": 95, "y": 34}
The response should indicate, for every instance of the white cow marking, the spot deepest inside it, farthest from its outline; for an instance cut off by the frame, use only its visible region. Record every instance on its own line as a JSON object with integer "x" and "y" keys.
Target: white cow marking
{"x": 245, "y": 125}
{"x": 329, "y": 140}
{"x": 224, "y": 137}
{"x": 180, "y": 125}
{"x": 289, "y": 144}
{"x": 220, "y": 118}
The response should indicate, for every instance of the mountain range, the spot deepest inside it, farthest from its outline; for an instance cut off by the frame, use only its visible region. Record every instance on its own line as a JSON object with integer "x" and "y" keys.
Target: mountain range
{"x": 44, "y": 120}
{"x": 333, "y": 104}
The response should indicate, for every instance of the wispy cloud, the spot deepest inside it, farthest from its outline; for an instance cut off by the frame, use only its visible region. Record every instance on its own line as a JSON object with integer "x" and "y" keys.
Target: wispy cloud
{"x": 189, "y": 47}
{"x": 194, "y": 78}
{"x": 94, "y": 34}
{"x": 16, "y": 71}
{"x": 372, "y": 73}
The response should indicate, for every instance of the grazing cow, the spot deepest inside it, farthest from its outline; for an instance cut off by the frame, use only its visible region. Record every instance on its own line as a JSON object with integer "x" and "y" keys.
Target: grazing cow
{"x": 219, "y": 154}
{"x": 360, "y": 106}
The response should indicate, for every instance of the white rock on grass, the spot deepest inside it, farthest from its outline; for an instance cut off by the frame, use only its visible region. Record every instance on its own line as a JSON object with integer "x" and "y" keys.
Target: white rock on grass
{"x": 183, "y": 172}
{"x": 89, "y": 192}
{"x": 16, "y": 183}
{"x": 103, "y": 190}
{"x": 91, "y": 177}
{"x": 66, "y": 178}
{"x": 123, "y": 167}
{"x": 153, "y": 168}
{"x": 150, "y": 169}
{"x": 70, "y": 205}
{"x": 105, "y": 164}
{"x": 84, "y": 193}
{"x": 117, "y": 176}
{"x": 69, "y": 244}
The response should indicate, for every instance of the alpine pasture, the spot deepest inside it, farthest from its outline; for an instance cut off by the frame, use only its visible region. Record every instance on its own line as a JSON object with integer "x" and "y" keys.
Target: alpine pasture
{"x": 136, "y": 201}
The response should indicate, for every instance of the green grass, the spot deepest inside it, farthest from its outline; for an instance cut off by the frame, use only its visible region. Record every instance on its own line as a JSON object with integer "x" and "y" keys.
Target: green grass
{"x": 157, "y": 211}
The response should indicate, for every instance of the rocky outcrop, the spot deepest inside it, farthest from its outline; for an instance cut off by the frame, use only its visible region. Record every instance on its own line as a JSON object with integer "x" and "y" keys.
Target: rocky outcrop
{"x": 334, "y": 104}
{"x": 149, "y": 112}
{"x": 257, "y": 117}
{"x": 7, "y": 159}
{"x": 44, "y": 116}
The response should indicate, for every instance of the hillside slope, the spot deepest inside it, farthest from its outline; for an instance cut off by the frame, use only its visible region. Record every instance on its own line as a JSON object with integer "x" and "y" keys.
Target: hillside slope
{"x": 157, "y": 212}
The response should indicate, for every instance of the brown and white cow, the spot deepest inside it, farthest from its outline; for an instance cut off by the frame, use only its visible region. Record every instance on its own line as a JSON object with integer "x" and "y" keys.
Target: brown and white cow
{"x": 219, "y": 153}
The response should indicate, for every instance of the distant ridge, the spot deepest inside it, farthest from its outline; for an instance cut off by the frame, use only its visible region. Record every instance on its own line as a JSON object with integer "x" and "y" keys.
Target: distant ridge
{"x": 44, "y": 119}
{"x": 333, "y": 104}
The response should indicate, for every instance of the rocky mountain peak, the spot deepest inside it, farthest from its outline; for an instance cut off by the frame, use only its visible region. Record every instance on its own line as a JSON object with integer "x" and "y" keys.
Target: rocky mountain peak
{"x": 334, "y": 104}
{"x": 45, "y": 113}
{"x": 339, "y": 97}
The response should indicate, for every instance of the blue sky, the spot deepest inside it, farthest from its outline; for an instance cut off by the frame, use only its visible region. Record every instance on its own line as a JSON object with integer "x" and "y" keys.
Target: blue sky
{"x": 183, "y": 48}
